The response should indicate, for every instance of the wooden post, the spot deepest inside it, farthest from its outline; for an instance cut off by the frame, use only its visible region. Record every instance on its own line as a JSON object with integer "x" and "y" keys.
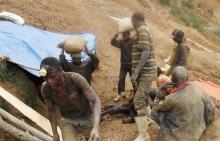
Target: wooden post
{"x": 28, "y": 112}
{"x": 21, "y": 135}
{"x": 24, "y": 126}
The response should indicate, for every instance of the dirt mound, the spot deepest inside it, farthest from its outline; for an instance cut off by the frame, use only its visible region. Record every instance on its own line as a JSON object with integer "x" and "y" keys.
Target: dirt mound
{"x": 74, "y": 16}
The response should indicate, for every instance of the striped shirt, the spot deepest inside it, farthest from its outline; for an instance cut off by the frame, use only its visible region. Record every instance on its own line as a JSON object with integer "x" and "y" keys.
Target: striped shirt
{"x": 143, "y": 42}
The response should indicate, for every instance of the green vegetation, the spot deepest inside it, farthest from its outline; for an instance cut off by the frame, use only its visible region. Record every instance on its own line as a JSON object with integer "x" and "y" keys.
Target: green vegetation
{"x": 183, "y": 12}
{"x": 187, "y": 17}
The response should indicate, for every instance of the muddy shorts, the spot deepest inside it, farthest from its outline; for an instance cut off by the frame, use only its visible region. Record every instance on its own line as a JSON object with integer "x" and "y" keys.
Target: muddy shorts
{"x": 71, "y": 129}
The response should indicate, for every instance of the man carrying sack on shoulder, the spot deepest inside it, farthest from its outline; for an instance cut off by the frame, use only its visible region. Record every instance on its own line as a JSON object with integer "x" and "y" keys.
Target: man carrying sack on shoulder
{"x": 125, "y": 45}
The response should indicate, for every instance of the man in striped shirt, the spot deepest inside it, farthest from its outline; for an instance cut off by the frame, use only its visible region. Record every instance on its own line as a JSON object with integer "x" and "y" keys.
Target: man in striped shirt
{"x": 143, "y": 73}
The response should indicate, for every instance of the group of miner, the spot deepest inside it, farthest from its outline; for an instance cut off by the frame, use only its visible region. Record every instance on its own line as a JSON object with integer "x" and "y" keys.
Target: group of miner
{"x": 182, "y": 109}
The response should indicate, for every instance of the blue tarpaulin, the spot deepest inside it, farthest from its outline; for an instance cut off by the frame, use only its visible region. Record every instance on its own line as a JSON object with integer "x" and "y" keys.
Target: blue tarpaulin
{"x": 27, "y": 45}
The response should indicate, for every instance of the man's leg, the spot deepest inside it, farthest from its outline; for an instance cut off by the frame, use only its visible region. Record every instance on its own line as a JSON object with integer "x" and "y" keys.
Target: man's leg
{"x": 69, "y": 131}
{"x": 86, "y": 128}
{"x": 121, "y": 84}
{"x": 132, "y": 114}
{"x": 140, "y": 102}
{"x": 143, "y": 110}
{"x": 169, "y": 71}
{"x": 130, "y": 74}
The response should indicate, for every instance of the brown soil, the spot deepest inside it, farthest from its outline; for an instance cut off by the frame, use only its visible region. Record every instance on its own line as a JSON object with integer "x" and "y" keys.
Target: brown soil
{"x": 74, "y": 16}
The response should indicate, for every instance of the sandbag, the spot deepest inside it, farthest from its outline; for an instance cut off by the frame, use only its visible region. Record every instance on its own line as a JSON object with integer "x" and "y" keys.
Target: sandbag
{"x": 12, "y": 17}
{"x": 74, "y": 45}
{"x": 124, "y": 25}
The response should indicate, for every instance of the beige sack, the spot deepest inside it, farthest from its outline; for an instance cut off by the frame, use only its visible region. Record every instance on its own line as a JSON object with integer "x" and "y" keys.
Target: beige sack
{"x": 124, "y": 25}
{"x": 74, "y": 45}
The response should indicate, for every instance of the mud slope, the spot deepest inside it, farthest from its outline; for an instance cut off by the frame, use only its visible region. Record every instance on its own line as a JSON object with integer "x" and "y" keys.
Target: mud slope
{"x": 74, "y": 16}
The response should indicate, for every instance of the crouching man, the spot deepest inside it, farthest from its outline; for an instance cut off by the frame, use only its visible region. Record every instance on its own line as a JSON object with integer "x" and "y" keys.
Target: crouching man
{"x": 185, "y": 113}
{"x": 78, "y": 103}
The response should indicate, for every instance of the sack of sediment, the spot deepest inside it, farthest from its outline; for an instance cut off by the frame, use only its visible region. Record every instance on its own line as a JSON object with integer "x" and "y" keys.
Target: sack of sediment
{"x": 124, "y": 25}
{"x": 74, "y": 45}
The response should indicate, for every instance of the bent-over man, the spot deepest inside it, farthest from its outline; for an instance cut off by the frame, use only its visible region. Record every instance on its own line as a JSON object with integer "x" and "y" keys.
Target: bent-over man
{"x": 185, "y": 113}
{"x": 78, "y": 103}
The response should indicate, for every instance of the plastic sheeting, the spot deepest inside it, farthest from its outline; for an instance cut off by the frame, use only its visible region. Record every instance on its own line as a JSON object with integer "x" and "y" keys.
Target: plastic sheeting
{"x": 27, "y": 45}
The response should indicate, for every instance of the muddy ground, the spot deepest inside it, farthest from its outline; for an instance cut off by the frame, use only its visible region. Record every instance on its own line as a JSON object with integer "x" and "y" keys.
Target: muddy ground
{"x": 74, "y": 16}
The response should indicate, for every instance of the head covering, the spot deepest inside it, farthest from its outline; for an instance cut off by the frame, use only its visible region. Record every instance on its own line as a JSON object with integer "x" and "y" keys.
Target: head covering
{"x": 179, "y": 75}
{"x": 174, "y": 32}
{"x": 49, "y": 65}
{"x": 177, "y": 33}
{"x": 138, "y": 16}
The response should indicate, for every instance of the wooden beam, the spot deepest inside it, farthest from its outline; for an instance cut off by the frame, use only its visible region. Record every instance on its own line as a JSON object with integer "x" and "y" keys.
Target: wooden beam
{"x": 29, "y": 112}
{"x": 24, "y": 126}
{"x": 17, "y": 133}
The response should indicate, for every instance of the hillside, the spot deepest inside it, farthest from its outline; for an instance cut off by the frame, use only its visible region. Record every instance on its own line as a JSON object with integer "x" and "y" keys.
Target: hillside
{"x": 74, "y": 16}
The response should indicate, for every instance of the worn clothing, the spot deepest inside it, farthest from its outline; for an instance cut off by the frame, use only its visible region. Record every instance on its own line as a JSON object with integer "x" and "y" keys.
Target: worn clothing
{"x": 143, "y": 42}
{"x": 180, "y": 56}
{"x": 140, "y": 98}
{"x": 71, "y": 129}
{"x": 86, "y": 69}
{"x": 73, "y": 104}
{"x": 122, "y": 76}
{"x": 183, "y": 115}
{"x": 126, "y": 50}
{"x": 148, "y": 73}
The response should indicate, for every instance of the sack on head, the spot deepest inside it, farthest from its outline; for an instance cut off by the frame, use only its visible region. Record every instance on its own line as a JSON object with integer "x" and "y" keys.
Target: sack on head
{"x": 74, "y": 45}
{"x": 124, "y": 25}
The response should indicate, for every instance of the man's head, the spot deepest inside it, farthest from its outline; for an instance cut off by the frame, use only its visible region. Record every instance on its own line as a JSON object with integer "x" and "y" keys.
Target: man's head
{"x": 174, "y": 32}
{"x": 177, "y": 35}
{"x": 76, "y": 57}
{"x": 137, "y": 19}
{"x": 51, "y": 71}
{"x": 179, "y": 75}
{"x": 126, "y": 35}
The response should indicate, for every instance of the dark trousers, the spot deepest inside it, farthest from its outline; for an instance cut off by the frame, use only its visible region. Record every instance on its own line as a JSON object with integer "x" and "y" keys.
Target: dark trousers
{"x": 122, "y": 76}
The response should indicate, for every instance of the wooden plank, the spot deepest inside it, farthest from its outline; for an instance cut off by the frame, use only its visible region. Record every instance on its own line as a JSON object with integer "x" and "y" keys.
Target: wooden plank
{"x": 29, "y": 112}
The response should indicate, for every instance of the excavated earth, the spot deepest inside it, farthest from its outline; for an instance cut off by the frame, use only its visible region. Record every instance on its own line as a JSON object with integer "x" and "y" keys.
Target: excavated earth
{"x": 74, "y": 16}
